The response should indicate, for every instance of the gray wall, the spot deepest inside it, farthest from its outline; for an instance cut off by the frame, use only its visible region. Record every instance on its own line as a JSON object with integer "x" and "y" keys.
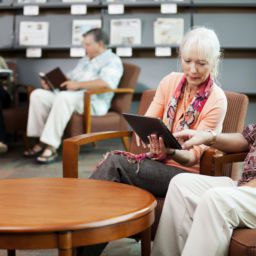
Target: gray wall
{"x": 235, "y": 74}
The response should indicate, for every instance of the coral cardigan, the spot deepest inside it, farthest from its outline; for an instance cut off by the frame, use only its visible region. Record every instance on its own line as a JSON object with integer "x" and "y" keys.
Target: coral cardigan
{"x": 210, "y": 118}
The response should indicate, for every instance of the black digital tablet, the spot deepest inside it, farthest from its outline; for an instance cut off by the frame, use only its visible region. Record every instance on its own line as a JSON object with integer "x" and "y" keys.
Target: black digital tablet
{"x": 144, "y": 126}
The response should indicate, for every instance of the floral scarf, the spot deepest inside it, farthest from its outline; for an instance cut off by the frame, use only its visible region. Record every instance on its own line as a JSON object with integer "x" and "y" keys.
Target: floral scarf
{"x": 193, "y": 110}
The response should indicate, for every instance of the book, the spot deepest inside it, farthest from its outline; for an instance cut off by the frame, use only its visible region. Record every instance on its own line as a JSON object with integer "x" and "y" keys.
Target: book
{"x": 54, "y": 78}
{"x": 145, "y": 126}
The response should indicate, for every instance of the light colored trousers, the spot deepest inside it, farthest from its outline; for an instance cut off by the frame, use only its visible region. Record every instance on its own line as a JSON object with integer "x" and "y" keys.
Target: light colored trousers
{"x": 49, "y": 113}
{"x": 200, "y": 213}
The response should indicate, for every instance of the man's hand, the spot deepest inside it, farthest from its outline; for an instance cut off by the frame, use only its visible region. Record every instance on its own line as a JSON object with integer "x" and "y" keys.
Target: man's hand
{"x": 71, "y": 85}
{"x": 44, "y": 85}
{"x": 193, "y": 137}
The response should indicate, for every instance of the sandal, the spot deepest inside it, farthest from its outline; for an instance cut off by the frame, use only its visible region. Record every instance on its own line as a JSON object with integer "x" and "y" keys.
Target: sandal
{"x": 34, "y": 152}
{"x": 48, "y": 156}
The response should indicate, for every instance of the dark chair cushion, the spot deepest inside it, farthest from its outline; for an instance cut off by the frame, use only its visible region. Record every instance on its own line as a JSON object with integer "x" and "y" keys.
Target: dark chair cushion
{"x": 243, "y": 243}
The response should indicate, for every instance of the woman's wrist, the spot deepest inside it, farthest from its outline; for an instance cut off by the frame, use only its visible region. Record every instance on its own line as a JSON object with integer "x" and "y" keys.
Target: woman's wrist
{"x": 213, "y": 137}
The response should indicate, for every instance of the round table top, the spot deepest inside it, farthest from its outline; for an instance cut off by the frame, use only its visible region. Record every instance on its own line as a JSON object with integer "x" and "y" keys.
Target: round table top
{"x": 57, "y": 204}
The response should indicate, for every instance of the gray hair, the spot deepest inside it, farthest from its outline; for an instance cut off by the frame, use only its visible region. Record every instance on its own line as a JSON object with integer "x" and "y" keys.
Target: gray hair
{"x": 206, "y": 43}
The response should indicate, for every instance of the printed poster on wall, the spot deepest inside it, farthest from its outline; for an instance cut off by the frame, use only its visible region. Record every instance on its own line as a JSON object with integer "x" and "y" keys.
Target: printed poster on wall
{"x": 168, "y": 31}
{"x": 34, "y": 33}
{"x": 31, "y": 1}
{"x": 82, "y": 26}
{"x": 125, "y": 32}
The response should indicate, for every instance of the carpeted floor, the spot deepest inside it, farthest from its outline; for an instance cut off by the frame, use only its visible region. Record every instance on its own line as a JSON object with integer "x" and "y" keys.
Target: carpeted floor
{"x": 13, "y": 165}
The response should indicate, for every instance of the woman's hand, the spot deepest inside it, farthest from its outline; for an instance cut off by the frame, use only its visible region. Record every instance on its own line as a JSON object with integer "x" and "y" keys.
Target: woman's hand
{"x": 71, "y": 85}
{"x": 157, "y": 147}
{"x": 139, "y": 142}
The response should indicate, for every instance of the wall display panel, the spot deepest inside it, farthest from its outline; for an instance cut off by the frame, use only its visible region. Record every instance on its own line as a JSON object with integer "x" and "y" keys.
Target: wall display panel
{"x": 234, "y": 74}
{"x": 238, "y": 75}
{"x": 55, "y": 3}
{"x": 5, "y": 3}
{"x": 146, "y": 24}
{"x": 147, "y": 2}
{"x": 231, "y": 76}
{"x": 235, "y": 30}
{"x": 28, "y": 69}
{"x": 60, "y": 29}
{"x": 6, "y": 31}
{"x": 225, "y": 2}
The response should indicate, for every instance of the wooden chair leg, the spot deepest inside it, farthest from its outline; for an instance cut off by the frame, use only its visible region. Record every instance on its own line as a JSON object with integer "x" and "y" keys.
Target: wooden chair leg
{"x": 146, "y": 242}
{"x": 126, "y": 143}
{"x": 11, "y": 252}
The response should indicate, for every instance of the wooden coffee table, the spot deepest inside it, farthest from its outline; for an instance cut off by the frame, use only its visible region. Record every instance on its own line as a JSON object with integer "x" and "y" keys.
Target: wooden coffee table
{"x": 47, "y": 213}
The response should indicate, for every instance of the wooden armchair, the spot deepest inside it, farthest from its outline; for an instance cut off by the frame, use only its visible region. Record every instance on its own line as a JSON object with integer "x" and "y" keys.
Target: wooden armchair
{"x": 243, "y": 241}
{"x": 113, "y": 120}
{"x": 234, "y": 122}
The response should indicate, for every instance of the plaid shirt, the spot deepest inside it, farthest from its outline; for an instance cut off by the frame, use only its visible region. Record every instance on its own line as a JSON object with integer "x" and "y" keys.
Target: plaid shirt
{"x": 249, "y": 171}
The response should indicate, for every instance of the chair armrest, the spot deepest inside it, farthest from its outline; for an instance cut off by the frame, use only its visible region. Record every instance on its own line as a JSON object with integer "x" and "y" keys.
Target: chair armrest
{"x": 206, "y": 161}
{"x": 221, "y": 160}
{"x": 213, "y": 160}
{"x": 30, "y": 88}
{"x": 106, "y": 90}
{"x": 71, "y": 149}
{"x": 18, "y": 89}
{"x": 87, "y": 102}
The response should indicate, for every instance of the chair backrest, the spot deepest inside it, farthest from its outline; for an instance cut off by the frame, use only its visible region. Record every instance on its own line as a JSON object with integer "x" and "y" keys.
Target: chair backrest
{"x": 13, "y": 66}
{"x": 122, "y": 102}
{"x": 233, "y": 122}
{"x": 236, "y": 112}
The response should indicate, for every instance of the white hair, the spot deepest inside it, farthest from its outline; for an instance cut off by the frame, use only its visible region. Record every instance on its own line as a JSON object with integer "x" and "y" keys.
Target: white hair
{"x": 206, "y": 44}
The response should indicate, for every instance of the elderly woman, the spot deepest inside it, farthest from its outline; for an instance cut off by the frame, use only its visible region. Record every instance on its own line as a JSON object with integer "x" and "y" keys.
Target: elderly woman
{"x": 183, "y": 100}
{"x": 187, "y": 100}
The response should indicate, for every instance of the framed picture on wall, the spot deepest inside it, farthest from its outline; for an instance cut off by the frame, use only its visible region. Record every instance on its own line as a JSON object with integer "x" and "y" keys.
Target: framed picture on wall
{"x": 80, "y": 27}
{"x": 125, "y": 32}
{"x": 34, "y": 33}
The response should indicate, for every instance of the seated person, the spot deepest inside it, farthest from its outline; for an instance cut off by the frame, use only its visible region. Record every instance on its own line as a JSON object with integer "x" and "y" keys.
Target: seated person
{"x": 200, "y": 212}
{"x": 6, "y": 82}
{"x": 49, "y": 112}
{"x": 183, "y": 100}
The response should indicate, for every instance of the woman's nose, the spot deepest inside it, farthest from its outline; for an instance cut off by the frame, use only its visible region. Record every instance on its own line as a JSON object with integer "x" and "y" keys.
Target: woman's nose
{"x": 193, "y": 67}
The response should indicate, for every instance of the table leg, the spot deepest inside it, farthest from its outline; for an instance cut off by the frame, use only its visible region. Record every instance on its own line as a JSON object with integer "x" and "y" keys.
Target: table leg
{"x": 11, "y": 252}
{"x": 65, "y": 244}
{"x": 65, "y": 252}
{"x": 146, "y": 242}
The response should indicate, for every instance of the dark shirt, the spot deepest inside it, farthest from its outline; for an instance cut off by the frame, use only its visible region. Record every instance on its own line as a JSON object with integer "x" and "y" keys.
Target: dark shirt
{"x": 249, "y": 171}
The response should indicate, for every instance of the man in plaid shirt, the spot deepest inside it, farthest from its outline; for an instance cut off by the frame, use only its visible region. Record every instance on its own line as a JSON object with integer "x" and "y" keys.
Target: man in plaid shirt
{"x": 201, "y": 212}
